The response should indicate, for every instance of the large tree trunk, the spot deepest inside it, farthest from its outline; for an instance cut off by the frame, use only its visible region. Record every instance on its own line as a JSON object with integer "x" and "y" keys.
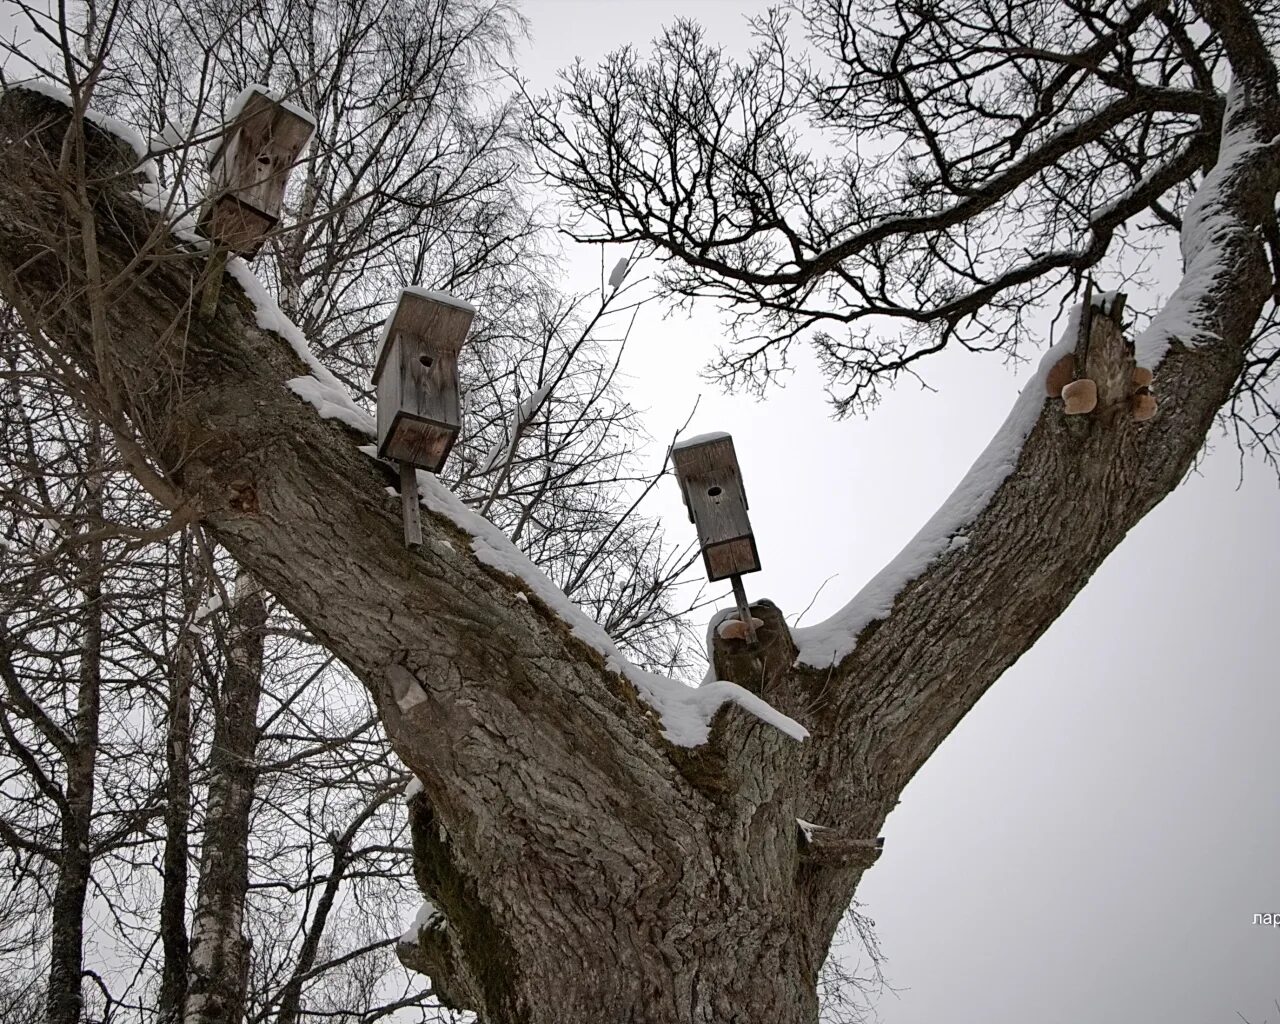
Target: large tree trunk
{"x": 581, "y": 865}
{"x": 219, "y": 961}
{"x": 75, "y": 862}
{"x": 687, "y": 904}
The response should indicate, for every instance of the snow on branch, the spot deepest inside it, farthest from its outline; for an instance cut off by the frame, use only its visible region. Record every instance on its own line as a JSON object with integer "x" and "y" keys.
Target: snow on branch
{"x": 429, "y": 916}
{"x": 504, "y": 449}
{"x": 111, "y": 125}
{"x": 1210, "y": 225}
{"x": 685, "y": 712}
{"x": 1210, "y": 222}
{"x": 827, "y": 643}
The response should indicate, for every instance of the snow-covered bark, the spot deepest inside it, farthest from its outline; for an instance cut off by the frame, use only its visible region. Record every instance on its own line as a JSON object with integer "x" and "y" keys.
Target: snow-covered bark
{"x": 584, "y": 865}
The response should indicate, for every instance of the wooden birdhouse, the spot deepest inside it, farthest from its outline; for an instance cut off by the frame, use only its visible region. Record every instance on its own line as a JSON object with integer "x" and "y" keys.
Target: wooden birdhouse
{"x": 711, "y": 484}
{"x": 250, "y": 167}
{"x": 416, "y": 375}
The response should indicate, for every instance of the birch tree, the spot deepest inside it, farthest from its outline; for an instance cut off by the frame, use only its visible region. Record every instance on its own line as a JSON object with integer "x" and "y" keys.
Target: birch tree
{"x": 596, "y": 841}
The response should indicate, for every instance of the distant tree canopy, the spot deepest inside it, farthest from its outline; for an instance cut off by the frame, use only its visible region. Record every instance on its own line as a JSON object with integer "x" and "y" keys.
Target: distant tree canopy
{"x": 891, "y": 178}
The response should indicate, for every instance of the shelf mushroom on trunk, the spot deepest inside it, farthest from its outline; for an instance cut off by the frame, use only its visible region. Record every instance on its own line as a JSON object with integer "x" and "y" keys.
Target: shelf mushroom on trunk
{"x": 416, "y": 377}
{"x": 711, "y": 484}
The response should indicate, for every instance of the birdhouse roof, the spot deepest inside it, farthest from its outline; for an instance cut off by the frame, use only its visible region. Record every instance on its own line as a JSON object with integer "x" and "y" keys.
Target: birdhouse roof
{"x": 701, "y": 439}
{"x": 439, "y": 317}
{"x": 257, "y": 95}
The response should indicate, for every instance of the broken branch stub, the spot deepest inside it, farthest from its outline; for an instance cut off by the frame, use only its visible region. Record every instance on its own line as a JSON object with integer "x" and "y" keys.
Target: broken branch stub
{"x": 1100, "y": 374}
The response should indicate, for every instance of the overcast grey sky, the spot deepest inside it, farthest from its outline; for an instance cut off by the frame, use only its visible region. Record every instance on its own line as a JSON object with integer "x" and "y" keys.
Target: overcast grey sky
{"x": 1093, "y": 842}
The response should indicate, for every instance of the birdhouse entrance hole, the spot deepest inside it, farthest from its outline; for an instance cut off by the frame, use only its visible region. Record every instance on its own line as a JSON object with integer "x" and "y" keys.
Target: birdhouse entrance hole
{"x": 715, "y": 492}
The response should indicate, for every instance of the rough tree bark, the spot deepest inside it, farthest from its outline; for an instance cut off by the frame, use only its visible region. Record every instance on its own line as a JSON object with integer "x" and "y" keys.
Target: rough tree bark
{"x": 584, "y": 868}
{"x": 219, "y": 960}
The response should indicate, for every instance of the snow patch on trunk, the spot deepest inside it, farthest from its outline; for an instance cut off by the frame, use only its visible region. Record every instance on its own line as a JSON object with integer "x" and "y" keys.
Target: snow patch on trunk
{"x": 808, "y": 828}
{"x": 182, "y": 220}
{"x": 685, "y": 711}
{"x": 320, "y": 387}
{"x": 428, "y": 916}
{"x": 333, "y": 403}
{"x": 406, "y": 689}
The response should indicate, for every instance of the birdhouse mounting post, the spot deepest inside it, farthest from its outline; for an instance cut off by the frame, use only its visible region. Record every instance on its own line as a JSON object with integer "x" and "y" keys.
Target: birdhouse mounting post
{"x": 409, "y": 501}
{"x": 744, "y": 609}
{"x": 214, "y": 270}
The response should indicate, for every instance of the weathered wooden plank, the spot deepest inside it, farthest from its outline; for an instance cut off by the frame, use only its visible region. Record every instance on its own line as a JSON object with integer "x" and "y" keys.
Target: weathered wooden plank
{"x": 429, "y": 381}
{"x": 250, "y": 170}
{"x": 423, "y": 443}
{"x": 240, "y": 228}
{"x": 731, "y": 558}
{"x": 416, "y": 374}
{"x": 438, "y": 322}
{"x": 716, "y": 499}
